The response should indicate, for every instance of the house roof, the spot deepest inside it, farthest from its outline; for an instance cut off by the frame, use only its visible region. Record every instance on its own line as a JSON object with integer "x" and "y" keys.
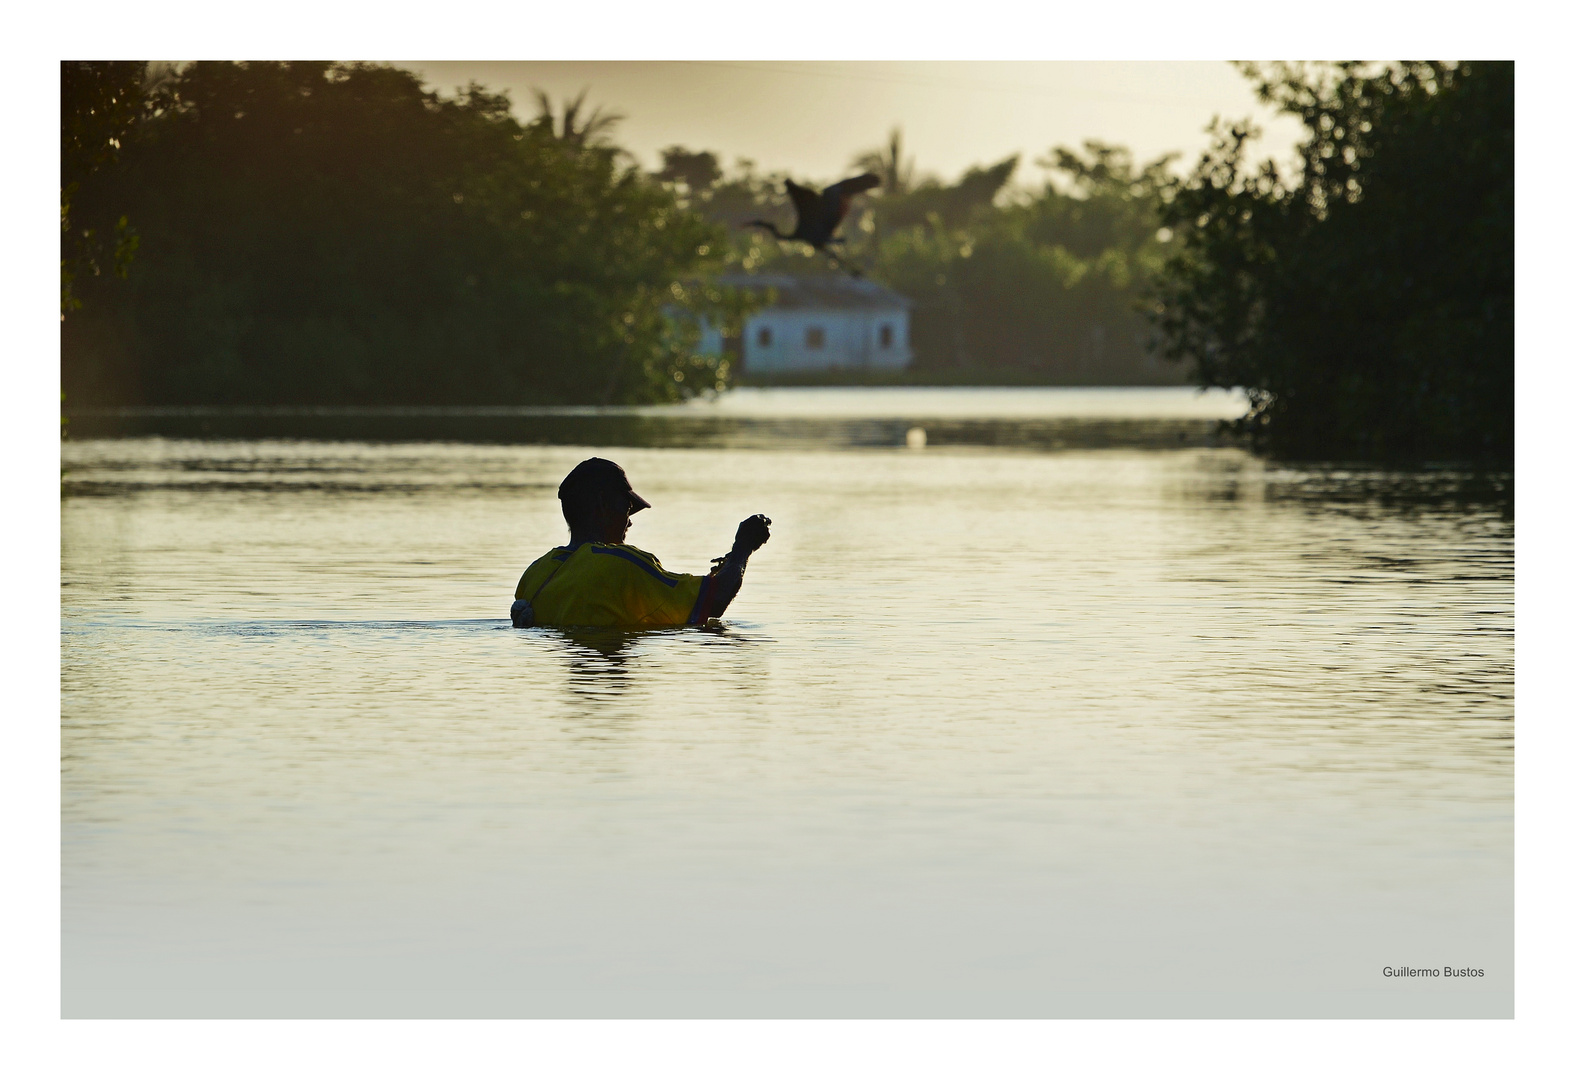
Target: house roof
{"x": 839, "y": 291}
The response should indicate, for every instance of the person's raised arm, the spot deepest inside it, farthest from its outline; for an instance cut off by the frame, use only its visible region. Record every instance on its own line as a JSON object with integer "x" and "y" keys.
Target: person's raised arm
{"x": 728, "y": 576}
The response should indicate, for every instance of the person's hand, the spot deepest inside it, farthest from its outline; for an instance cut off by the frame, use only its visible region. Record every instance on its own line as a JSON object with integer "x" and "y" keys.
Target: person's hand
{"x": 752, "y": 532}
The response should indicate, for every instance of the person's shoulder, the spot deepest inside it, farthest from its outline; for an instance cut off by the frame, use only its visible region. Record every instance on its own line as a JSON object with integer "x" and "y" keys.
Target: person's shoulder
{"x": 540, "y": 572}
{"x": 643, "y": 560}
{"x": 557, "y": 554}
{"x": 627, "y": 552}
{"x": 646, "y": 555}
{"x": 554, "y": 557}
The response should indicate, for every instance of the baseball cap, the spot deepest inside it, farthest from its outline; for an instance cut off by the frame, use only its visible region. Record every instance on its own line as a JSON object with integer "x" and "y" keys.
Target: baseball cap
{"x": 598, "y": 475}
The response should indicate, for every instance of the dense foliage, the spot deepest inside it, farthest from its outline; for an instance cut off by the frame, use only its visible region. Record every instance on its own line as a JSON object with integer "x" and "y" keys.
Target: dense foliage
{"x": 322, "y": 233}
{"x": 100, "y": 104}
{"x": 1367, "y": 303}
{"x": 1010, "y": 283}
{"x": 1048, "y": 282}
{"x": 312, "y": 233}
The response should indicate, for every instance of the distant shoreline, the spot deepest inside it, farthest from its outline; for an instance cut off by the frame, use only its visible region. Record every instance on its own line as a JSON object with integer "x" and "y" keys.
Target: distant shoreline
{"x": 993, "y": 378}
{"x": 744, "y": 391}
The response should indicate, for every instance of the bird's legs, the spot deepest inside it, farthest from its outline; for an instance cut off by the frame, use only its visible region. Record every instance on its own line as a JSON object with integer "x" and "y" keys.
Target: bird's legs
{"x": 841, "y": 260}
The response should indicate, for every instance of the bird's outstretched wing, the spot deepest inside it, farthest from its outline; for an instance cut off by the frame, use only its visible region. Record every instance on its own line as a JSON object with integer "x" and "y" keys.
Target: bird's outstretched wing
{"x": 846, "y": 189}
{"x": 836, "y": 199}
{"x": 820, "y": 212}
{"x": 806, "y": 201}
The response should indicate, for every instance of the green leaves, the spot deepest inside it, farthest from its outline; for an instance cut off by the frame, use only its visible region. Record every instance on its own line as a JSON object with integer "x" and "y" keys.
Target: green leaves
{"x": 323, "y": 233}
{"x": 101, "y": 102}
{"x": 1045, "y": 283}
{"x": 1367, "y": 306}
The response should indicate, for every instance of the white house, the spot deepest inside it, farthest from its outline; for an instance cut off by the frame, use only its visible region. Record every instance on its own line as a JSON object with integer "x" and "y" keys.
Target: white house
{"x": 822, "y": 322}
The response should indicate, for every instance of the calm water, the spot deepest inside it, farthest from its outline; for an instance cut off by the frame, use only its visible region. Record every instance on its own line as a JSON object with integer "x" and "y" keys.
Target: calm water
{"x": 1128, "y": 727}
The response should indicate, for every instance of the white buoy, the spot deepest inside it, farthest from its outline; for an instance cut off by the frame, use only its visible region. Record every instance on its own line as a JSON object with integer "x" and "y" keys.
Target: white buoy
{"x": 916, "y": 438}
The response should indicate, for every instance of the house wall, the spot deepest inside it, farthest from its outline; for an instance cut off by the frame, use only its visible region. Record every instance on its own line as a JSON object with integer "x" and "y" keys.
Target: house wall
{"x": 710, "y": 339}
{"x": 851, "y": 339}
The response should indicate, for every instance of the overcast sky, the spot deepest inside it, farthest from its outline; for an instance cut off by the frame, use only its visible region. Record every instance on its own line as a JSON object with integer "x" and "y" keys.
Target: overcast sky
{"x": 808, "y": 118}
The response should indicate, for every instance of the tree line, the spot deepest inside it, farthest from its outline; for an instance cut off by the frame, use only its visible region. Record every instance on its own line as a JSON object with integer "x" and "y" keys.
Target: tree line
{"x": 278, "y": 233}
{"x": 1038, "y": 283}
{"x": 315, "y": 233}
{"x": 1365, "y": 300}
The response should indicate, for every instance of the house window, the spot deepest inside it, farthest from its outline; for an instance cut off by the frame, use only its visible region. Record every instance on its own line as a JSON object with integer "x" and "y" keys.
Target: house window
{"x": 763, "y": 337}
{"x": 885, "y": 335}
{"x": 815, "y": 337}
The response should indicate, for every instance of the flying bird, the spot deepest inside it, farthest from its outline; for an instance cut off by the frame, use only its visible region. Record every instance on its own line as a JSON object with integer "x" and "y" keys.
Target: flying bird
{"x": 821, "y": 212}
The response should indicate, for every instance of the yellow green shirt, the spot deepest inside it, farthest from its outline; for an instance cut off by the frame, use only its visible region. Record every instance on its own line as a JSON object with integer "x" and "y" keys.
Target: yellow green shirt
{"x": 596, "y": 584}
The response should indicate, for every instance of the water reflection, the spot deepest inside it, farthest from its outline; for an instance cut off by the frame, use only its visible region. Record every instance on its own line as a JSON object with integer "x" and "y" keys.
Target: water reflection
{"x": 1355, "y": 491}
{"x": 598, "y": 659}
{"x": 1164, "y": 719}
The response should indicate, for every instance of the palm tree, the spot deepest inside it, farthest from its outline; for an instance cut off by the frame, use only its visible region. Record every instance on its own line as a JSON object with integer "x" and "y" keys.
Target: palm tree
{"x": 570, "y": 130}
{"x": 896, "y": 175}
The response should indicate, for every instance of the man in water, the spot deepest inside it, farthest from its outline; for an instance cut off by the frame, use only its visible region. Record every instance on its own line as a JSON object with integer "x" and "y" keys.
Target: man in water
{"x": 598, "y": 580}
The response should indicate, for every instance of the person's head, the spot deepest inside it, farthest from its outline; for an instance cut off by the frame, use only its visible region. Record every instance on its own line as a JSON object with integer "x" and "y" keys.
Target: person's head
{"x": 598, "y": 501}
